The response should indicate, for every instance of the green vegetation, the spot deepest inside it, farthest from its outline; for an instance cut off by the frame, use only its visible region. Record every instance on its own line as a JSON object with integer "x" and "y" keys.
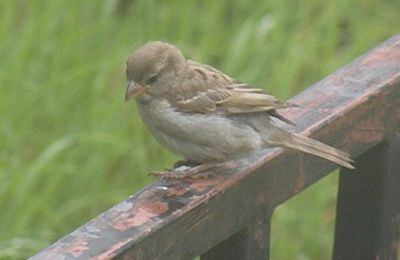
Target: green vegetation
{"x": 70, "y": 147}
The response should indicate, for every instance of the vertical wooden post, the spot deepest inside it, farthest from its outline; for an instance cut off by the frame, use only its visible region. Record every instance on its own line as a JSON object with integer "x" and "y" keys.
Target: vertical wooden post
{"x": 368, "y": 206}
{"x": 249, "y": 243}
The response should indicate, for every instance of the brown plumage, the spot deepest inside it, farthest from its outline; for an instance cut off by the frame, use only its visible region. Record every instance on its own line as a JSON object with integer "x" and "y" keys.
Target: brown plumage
{"x": 200, "y": 113}
{"x": 226, "y": 96}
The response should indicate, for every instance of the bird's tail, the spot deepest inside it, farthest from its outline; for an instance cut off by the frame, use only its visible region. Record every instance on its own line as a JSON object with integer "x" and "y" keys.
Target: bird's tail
{"x": 311, "y": 146}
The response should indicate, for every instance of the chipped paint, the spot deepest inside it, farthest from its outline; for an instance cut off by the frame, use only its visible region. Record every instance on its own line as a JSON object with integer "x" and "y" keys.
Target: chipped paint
{"x": 137, "y": 216}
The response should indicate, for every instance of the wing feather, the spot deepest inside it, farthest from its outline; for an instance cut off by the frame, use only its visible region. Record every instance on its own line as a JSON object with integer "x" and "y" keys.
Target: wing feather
{"x": 207, "y": 89}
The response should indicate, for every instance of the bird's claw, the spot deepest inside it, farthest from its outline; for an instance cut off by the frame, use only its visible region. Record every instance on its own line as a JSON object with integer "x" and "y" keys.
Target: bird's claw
{"x": 184, "y": 172}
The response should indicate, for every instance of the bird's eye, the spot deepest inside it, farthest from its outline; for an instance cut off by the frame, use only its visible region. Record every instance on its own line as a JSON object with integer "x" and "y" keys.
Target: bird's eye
{"x": 152, "y": 79}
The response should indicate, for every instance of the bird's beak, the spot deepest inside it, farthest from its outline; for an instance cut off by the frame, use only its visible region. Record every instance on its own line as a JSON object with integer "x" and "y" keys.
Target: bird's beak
{"x": 134, "y": 89}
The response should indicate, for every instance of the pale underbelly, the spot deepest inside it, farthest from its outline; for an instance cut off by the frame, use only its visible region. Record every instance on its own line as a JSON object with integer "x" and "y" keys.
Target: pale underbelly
{"x": 200, "y": 137}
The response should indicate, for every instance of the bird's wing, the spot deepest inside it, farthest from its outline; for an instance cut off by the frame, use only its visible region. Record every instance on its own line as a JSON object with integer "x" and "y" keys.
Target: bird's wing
{"x": 208, "y": 90}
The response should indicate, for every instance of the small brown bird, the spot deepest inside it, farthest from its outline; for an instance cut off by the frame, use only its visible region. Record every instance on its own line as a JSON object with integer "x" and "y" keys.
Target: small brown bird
{"x": 205, "y": 116}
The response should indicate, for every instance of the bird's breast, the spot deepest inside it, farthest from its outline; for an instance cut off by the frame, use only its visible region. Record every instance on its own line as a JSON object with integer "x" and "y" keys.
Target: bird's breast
{"x": 197, "y": 136}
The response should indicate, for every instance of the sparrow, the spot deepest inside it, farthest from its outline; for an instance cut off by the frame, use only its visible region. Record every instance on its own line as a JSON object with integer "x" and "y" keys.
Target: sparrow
{"x": 205, "y": 116}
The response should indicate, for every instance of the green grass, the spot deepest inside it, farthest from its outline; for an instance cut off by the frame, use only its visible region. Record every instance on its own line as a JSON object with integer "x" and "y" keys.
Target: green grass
{"x": 71, "y": 148}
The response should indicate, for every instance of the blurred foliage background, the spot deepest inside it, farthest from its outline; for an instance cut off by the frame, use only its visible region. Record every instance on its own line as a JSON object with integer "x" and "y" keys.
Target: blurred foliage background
{"x": 70, "y": 147}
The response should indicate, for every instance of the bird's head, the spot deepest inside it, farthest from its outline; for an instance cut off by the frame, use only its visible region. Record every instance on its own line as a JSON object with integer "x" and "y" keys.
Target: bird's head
{"x": 152, "y": 70}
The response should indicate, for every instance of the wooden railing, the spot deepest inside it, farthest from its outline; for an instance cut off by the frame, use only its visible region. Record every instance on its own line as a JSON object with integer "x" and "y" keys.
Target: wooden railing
{"x": 356, "y": 108}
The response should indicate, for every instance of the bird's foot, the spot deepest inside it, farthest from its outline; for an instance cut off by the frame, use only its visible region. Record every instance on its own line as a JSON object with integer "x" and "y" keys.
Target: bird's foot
{"x": 201, "y": 171}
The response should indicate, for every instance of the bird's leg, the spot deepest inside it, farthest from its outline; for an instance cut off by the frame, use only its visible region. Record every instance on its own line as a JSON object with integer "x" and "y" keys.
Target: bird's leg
{"x": 200, "y": 171}
{"x": 195, "y": 172}
{"x": 177, "y": 171}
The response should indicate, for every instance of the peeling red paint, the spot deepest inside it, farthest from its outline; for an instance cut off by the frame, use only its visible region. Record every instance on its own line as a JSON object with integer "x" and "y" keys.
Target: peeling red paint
{"x": 76, "y": 247}
{"x": 176, "y": 191}
{"x": 201, "y": 185}
{"x": 111, "y": 252}
{"x": 137, "y": 216}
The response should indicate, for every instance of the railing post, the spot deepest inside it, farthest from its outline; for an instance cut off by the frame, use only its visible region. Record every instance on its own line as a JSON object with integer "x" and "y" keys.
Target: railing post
{"x": 249, "y": 243}
{"x": 368, "y": 206}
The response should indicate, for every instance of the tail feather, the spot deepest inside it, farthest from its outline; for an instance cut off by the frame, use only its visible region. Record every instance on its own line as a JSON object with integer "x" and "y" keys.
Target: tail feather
{"x": 311, "y": 146}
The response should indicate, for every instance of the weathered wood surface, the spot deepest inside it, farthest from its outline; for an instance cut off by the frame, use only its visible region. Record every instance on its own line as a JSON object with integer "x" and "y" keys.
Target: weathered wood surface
{"x": 352, "y": 109}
